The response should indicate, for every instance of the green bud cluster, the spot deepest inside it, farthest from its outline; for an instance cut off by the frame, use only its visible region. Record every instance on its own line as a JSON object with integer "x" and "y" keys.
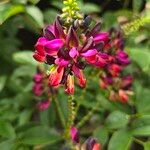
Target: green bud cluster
{"x": 71, "y": 11}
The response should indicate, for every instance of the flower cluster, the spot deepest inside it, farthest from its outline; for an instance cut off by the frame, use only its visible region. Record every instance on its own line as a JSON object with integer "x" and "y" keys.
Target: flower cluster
{"x": 40, "y": 89}
{"x": 90, "y": 143}
{"x": 111, "y": 77}
{"x": 70, "y": 49}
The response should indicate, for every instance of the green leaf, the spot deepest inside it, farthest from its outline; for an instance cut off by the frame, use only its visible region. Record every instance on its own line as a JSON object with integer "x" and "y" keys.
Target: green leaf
{"x": 141, "y": 121}
{"x": 117, "y": 119}
{"x": 36, "y": 14}
{"x": 147, "y": 146}
{"x": 39, "y": 135}
{"x": 142, "y": 131}
{"x": 120, "y": 140}
{"x": 141, "y": 56}
{"x": 24, "y": 117}
{"x": 50, "y": 15}
{"x": 89, "y": 8}
{"x": 34, "y": 1}
{"x": 7, "y": 145}
{"x": 6, "y": 130}
{"x": 7, "y": 11}
{"x": 2, "y": 82}
{"x": 57, "y": 4}
{"x": 142, "y": 99}
{"x": 101, "y": 134}
{"x": 137, "y": 4}
{"x": 19, "y": 1}
{"x": 24, "y": 57}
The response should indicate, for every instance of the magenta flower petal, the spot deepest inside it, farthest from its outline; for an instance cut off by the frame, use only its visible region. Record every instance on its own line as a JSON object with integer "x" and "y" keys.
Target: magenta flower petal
{"x": 43, "y": 105}
{"x": 122, "y": 58}
{"x": 39, "y": 46}
{"x": 122, "y": 54}
{"x": 101, "y": 37}
{"x": 73, "y": 52}
{"x": 74, "y": 134}
{"x": 37, "y": 77}
{"x": 52, "y": 47}
{"x": 61, "y": 62}
{"x": 89, "y": 53}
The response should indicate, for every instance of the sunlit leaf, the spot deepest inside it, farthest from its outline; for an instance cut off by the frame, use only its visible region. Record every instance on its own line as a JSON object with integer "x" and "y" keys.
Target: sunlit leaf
{"x": 141, "y": 56}
{"x": 24, "y": 57}
{"x": 36, "y": 15}
{"x": 7, "y": 11}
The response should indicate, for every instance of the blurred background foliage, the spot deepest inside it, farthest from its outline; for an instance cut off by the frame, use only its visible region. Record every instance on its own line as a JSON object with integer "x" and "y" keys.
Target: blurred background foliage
{"x": 117, "y": 126}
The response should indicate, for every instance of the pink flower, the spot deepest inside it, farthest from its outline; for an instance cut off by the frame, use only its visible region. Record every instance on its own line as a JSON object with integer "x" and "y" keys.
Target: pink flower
{"x": 96, "y": 146}
{"x": 56, "y": 75}
{"x": 126, "y": 82}
{"x": 37, "y": 89}
{"x": 37, "y": 77}
{"x": 80, "y": 76}
{"x": 70, "y": 85}
{"x": 123, "y": 97}
{"x": 122, "y": 58}
{"x": 101, "y": 37}
{"x": 114, "y": 69}
{"x": 39, "y": 54}
{"x": 105, "y": 82}
{"x": 74, "y": 134}
{"x": 43, "y": 105}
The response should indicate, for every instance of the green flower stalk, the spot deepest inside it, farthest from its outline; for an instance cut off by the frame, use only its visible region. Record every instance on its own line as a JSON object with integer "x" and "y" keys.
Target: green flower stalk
{"x": 135, "y": 25}
{"x": 71, "y": 115}
{"x": 71, "y": 11}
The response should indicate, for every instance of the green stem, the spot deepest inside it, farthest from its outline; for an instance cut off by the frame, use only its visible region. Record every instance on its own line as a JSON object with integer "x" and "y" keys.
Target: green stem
{"x": 60, "y": 112}
{"x": 88, "y": 116}
{"x": 138, "y": 141}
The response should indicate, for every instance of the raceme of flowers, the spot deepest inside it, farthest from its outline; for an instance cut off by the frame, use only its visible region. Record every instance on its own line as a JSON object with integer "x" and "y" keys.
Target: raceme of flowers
{"x": 111, "y": 78}
{"x": 70, "y": 49}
